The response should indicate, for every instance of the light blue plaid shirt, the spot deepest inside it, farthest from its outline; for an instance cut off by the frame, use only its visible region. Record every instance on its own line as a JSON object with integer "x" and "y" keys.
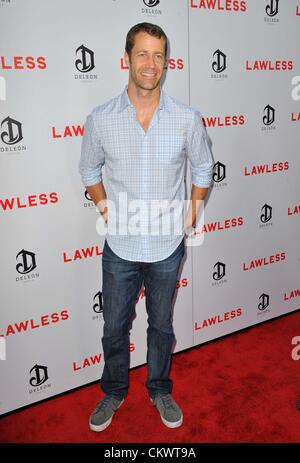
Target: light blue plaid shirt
{"x": 145, "y": 165}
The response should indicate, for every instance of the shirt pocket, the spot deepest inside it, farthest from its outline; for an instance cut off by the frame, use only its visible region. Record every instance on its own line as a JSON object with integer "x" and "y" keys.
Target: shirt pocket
{"x": 168, "y": 149}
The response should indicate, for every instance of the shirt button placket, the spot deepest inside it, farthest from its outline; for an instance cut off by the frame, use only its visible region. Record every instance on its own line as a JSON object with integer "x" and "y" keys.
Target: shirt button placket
{"x": 144, "y": 188}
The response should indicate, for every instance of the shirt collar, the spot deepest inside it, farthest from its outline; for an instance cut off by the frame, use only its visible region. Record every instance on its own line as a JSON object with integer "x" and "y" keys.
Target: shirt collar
{"x": 125, "y": 101}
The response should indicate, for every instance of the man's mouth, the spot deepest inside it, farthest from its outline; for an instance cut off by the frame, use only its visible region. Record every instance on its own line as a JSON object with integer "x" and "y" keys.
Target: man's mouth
{"x": 148, "y": 74}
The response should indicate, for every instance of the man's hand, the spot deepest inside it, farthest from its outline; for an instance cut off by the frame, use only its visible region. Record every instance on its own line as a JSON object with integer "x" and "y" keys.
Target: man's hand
{"x": 188, "y": 228}
{"x": 98, "y": 195}
{"x": 105, "y": 214}
{"x": 195, "y": 208}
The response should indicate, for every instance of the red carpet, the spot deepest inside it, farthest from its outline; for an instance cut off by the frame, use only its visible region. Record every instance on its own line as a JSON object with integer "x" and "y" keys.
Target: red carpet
{"x": 241, "y": 388}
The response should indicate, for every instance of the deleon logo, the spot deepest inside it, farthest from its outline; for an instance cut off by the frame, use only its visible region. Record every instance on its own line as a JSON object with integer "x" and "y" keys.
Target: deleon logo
{"x": 12, "y": 133}
{"x": 87, "y": 196}
{"x": 269, "y": 116}
{"x": 98, "y": 306}
{"x": 88, "y": 202}
{"x": 219, "y": 272}
{"x": 151, "y": 3}
{"x": 219, "y": 173}
{"x": 219, "y": 65}
{"x": 28, "y": 262}
{"x": 39, "y": 375}
{"x": 264, "y": 301}
{"x": 272, "y": 8}
{"x": 85, "y": 62}
{"x": 266, "y": 214}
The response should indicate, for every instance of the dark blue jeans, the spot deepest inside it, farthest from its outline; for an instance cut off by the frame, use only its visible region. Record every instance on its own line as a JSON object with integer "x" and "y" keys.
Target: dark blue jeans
{"x": 122, "y": 281}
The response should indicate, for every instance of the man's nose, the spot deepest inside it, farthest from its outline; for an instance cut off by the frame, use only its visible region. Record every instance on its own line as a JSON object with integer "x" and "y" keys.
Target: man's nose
{"x": 151, "y": 60}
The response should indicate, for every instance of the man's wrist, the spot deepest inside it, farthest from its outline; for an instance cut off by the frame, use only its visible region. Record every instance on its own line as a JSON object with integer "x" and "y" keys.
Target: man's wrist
{"x": 188, "y": 228}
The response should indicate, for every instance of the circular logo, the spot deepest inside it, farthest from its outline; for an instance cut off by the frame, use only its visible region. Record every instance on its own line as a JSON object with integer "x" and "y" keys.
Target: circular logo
{"x": 151, "y": 3}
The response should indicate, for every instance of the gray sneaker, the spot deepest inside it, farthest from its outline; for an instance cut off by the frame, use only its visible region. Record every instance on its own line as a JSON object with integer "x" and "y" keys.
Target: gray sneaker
{"x": 102, "y": 416}
{"x": 170, "y": 413}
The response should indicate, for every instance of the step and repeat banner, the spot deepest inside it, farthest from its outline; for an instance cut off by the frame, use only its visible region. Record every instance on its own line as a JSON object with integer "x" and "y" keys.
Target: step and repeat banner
{"x": 238, "y": 63}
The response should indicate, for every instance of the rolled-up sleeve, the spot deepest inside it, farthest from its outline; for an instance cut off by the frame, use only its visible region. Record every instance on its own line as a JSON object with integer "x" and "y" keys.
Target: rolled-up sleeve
{"x": 92, "y": 155}
{"x": 199, "y": 153}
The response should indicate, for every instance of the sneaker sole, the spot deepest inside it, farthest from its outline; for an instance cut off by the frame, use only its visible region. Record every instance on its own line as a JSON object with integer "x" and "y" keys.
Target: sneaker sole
{"x": 101, "y": 427}
{"x": 169, "y": 424}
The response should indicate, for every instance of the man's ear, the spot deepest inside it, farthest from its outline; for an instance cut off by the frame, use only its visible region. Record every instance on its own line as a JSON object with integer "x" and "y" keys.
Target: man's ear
{"x": 126, "y": 58}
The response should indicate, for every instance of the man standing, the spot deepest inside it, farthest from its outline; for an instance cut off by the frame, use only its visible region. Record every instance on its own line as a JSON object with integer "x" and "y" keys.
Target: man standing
{"x": 143, "y": 137}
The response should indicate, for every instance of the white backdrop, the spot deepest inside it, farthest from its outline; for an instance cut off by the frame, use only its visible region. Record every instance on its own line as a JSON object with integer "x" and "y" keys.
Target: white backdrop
{"x": 238, "y": 62}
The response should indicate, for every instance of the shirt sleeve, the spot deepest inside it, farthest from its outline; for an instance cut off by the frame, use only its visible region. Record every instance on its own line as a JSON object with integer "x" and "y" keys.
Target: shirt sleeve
{"x": 199, "y": 153}
{"x": 92, "y": 155}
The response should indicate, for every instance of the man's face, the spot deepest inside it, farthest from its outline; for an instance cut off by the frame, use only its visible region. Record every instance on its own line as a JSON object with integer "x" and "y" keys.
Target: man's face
{"x": 147, "y": 60}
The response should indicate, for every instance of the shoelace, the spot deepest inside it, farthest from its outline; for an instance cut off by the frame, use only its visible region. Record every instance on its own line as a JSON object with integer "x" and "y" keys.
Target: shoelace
{"x": 103, "y": 403}
{"x": 168, "y": 401}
